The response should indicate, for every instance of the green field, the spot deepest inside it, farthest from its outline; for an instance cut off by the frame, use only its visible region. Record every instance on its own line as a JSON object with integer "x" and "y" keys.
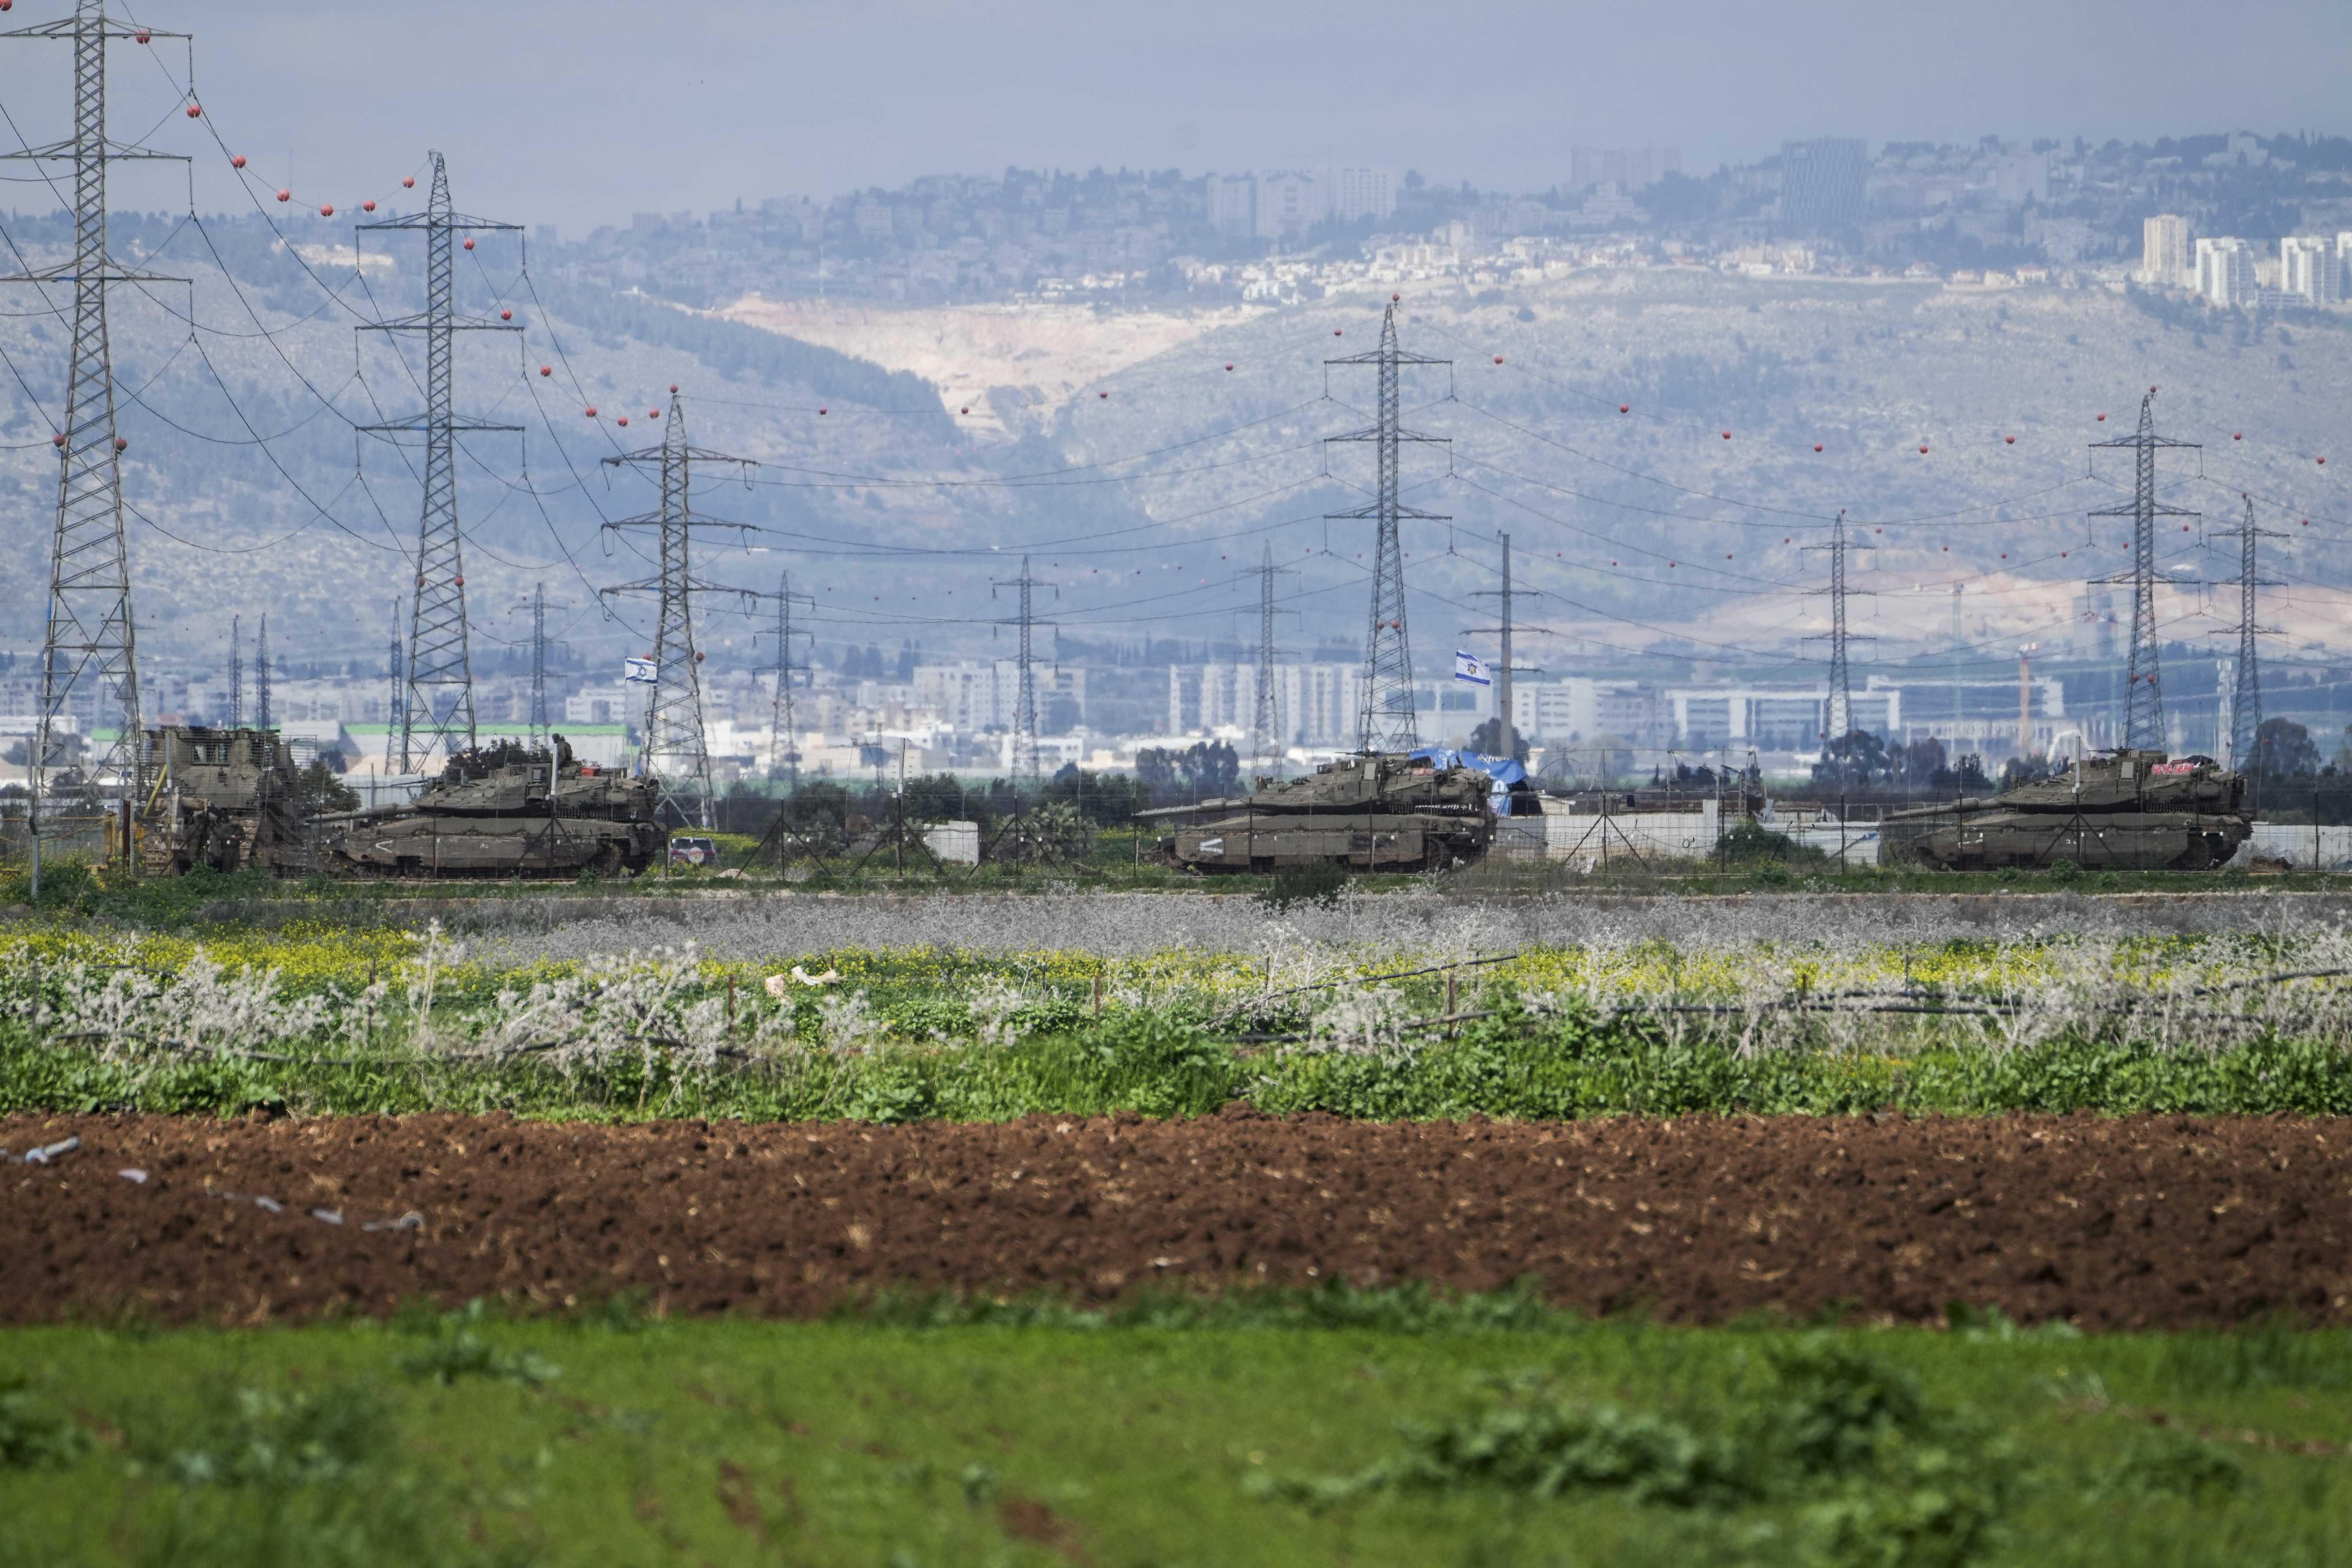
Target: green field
{"x": 1281, "y": 1430}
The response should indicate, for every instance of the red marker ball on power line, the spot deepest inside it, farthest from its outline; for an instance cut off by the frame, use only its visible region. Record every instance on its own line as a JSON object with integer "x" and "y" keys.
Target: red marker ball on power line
{"x": 1922, "y": 451}
{"x": 1229, "y": 367}
{"x": 964, "y": 411}
{"x": 819, "y": 411}
{"x": 141, "y": 35}
{"x": 2012, "y": 440}
{"x": 2237, "y": 435}
{"x": 284, "y": 194}
{"x": 592, "y": 411}
{"x": 653, "y": 413}
{"x": 196, "y": 111}
{"x": 1498, "y": 359}
{"x": 2103, "y": 416}
{"x": 458, "y": 582}
{"x": 1105, "y": 396}
{"x": 469, "y": 244}
{"x": 407, "y": 182}
{"x": 623, "y": 421}
{"x": 1817, "y": 446}
{"x": 547, "y": 370}
{"x": 368, "y": 206}
{"x": 326, "y": 209}
{"x": 59, "y": 438}
{"x": 673, "y": 386}
{"x": 120, "y": 444}
{"x": 1624, "y": 408}
{"x": 237, "y": 161}
{"x": 1726, "y": 435}
{"x": 506, "y": 315}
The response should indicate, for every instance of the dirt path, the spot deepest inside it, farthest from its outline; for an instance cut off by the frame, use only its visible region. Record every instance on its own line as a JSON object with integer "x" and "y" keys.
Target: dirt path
{"x": 2141, "y": 1222}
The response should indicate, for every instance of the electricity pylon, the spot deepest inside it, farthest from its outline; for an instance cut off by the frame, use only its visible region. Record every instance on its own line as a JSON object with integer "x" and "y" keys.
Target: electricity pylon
{"x": 672, "y": 747}
{"x": 536, "y": 604}
{"x": 2246, "y": 688}
{"x": 1837, "y": 713}
{"x": 89, "y": 631}
{"x": 262, "y": 719}
{"x": 395, "y": 702}
{"x": 1387, "y": 722}
{"x": 2144, "y": 697}
{"x": 236, "y": 672}
{"x": 783, "y": 742}
{"x": 1505, "y": 597}
{"x": 1266, "y": 711}
{"x": 1024, "y": 711}
{"x": 437, "y": 716}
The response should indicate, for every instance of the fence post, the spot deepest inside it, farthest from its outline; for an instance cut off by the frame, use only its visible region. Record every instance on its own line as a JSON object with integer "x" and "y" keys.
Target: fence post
{"x": 1840, "y": 831}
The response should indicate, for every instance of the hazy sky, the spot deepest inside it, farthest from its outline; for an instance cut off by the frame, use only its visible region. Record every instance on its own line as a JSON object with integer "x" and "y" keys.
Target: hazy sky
{"x": 581, "y": 112}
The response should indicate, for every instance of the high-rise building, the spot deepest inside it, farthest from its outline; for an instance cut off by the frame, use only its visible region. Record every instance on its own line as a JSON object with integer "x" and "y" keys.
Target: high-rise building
{"x": 2225, "y": 272}
{"x": 1232, "y": 203}
{"x": 2311, "y": 268}
{"x": 1359, "y": 193}
{"x": 2165, "y": 255}
{"x": 1289, "y": 202}
{"x": 1630, "y": 168}
{"x": 1823, "y": 185}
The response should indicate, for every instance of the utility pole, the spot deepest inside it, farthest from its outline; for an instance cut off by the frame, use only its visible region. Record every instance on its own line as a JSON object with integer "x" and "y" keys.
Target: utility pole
{"x": 2143, "y": 695}
{"x": 1837, "y": 713}
{"x": 1509, "y": 727}
{"x": 394, "y": 702}
{"x": 1387, "y": 722}
{"x": 236, "y": 672}
{"x": 261, "y": 718}
{"x": 2246, "y": 688}
{"x": 1024, "y": 713}
{"x": 783, "y": 735}
{"x": 1265, "y": 711}
{"x": 674, "y": 747}
{"x": 1959, "y": 640}
{"x": 437, "y": 716}
{"x": 89, "y": 633}
{"x": 537, "y": 605}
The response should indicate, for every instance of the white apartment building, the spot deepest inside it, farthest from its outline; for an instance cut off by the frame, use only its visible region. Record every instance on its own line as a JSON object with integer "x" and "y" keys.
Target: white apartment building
{"x": 1315, "y": 705}
{"x": 2311, "y": 268}
{"x": 1290, "y": 201}
{"x": 1232, "y": 203}
{"x": 614, "y": 703}
{"x": 1579, "y": 709}
{"x": 2165, "y": 257}
{"x": 1359, "y": 194}
{"x": 975, "y": 696}
{"x": 2225, "y": 272}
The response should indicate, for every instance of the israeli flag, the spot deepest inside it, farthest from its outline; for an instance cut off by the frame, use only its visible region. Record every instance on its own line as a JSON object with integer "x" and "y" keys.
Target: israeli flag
{"x": 1469, "y": 666}
{"x": 640, "y": 670}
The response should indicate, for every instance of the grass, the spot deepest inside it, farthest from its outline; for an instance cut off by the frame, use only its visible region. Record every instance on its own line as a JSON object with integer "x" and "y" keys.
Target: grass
{"x": 1277, "y": 1429}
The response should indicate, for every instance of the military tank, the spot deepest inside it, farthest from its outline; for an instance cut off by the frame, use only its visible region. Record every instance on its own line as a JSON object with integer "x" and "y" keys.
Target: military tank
{"x": 506, "y": 811}
{"x": 2129, "y": 811}
{"x": 1388, "y": 812}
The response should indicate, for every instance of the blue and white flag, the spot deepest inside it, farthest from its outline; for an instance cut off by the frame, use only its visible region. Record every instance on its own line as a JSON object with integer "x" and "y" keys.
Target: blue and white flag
{"x": 640, "y": 670}
{"x": 1469, "y": 666}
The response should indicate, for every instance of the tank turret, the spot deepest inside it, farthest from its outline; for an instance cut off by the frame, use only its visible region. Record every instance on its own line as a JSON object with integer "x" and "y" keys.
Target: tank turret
{"x": 508, "y": 810}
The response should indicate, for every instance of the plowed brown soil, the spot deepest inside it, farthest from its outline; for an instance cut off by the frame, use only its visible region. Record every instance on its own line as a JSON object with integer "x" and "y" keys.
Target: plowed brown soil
{"x": 2138, "y": 1222}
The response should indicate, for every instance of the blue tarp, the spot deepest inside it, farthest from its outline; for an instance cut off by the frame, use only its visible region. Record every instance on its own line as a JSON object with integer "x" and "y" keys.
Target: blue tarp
{"x": 1502, "y": 772}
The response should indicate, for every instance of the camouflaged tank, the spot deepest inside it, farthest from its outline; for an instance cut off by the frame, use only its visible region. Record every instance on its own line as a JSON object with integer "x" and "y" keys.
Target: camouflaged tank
{"x": 507, "y": 811}
{"x": 2131, "y": 810}
{"x": 1391, "y": 812}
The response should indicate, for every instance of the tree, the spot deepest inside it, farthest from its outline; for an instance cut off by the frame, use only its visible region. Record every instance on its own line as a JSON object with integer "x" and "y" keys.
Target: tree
{"x": 1923, "y": 759}
{"x": 2283, "y": 750}
{"x": 319, "y": 792}
{"x": 1210, "y": 767}
{"x": 1488, "y": 738}
{"x": 1107, "y": 799}
{"x": 1852, "y": 760}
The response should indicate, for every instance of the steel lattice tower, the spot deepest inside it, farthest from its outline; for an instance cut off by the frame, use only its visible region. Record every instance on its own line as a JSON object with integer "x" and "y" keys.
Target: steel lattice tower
{"x": 393, "y": 704}
{"x": 2246, "y": 689}
{"x": 1388, "y": 721}
{"x": 674, "y": 747}
{"x": 783, "y": 743}
{"x": 1837, "y": 712}
{"x": 2143, "y": 696}
{"x": 1505, "y": 597}
{"x": 236, "y": 672}
{"x": 1024, "y": 710}
{"x": 261, "y": 717}
{"x": 1265, "y": 717}
{"x": 540, "y": 724}
{"x": 436, "y": 714}
{"x": 89, "y": 632}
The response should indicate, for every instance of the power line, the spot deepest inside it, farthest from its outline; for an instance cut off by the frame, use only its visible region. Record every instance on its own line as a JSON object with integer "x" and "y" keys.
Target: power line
{"x": 2144, "y": 699}
{"x": 2246, "y": 685}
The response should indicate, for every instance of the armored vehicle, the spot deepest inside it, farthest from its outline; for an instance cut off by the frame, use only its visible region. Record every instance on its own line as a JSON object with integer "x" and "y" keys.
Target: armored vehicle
{"x": 2134, "y": 810}
{"x": 1389, "y": 811}
{"x": 222, "y": 798}
{"x": 507, "y": 811}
